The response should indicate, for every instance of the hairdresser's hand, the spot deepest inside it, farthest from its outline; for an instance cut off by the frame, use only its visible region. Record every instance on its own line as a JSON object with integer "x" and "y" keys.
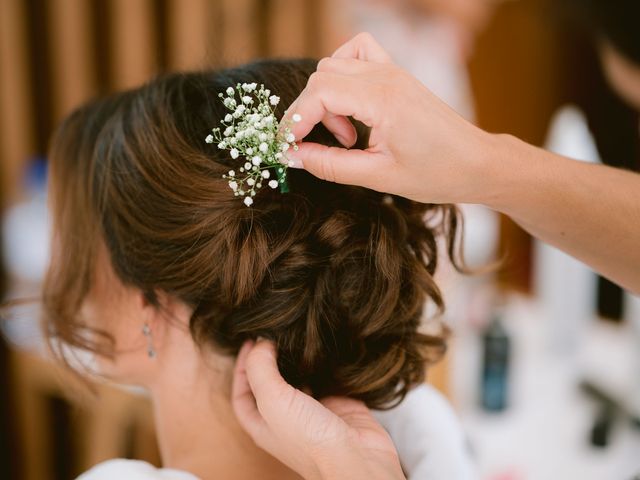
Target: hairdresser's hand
{"x": 419, "y": 147}
{"x": 334, "y": 438}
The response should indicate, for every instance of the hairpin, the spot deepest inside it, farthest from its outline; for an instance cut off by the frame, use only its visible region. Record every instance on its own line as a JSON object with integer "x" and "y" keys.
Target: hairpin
{"x": 250, "y": 131}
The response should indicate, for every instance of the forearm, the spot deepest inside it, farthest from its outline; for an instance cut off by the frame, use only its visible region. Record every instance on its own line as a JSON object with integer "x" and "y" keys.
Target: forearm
{"x": 592, "y": 212}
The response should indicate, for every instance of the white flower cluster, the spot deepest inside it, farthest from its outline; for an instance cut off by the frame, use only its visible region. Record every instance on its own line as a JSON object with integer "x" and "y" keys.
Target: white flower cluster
{"x": 250, "y": 132}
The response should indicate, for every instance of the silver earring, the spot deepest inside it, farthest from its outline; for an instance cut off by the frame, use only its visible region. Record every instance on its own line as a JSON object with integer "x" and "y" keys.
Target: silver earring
{"x": 146, "y": 331}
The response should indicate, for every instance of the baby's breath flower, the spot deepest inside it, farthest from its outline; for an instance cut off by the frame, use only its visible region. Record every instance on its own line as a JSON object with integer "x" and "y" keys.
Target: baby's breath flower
{"x": 250, "y": 131}
{"x": 296, "y": 117}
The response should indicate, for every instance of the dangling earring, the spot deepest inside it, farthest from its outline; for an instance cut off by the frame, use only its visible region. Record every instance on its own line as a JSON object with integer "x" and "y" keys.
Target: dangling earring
{"x": 146, "y": 331}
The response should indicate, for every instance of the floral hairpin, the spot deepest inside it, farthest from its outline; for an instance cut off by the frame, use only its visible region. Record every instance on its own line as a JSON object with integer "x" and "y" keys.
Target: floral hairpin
{"x": 250, "y": 130}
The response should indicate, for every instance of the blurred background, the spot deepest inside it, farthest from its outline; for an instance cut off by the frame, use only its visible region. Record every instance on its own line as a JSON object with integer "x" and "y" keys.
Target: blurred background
{"x": 544, "y": 361}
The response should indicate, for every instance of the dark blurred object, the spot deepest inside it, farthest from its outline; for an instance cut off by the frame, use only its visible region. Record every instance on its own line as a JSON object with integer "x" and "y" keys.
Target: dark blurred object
{"x": 495, "y": 366}
{"x": 610, "y": 302}
{"x": 602, "y": 426}
{"x": 613, "y": 20}
{"x": 601, "y": 396}
{"x": 10, "y": 455}
{"x": 610, "y": 411}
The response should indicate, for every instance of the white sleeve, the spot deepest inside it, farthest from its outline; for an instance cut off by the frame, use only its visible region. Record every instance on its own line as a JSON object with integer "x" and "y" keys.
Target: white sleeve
{"x": 429, "y": 438}
{"x": 121, "y": 468}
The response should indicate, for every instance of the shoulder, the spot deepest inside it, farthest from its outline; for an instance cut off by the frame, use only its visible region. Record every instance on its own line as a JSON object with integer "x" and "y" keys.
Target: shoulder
{"x": 133, "y": 470}
{"x": 429, "y": 437}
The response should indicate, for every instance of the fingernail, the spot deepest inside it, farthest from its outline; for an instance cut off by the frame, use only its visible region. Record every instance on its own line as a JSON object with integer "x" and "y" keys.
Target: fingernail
{"x": 292, "y": 162}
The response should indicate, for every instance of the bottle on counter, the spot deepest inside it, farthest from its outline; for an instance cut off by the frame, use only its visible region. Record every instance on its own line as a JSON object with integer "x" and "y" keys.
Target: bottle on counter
{"x": 496, "y": 347}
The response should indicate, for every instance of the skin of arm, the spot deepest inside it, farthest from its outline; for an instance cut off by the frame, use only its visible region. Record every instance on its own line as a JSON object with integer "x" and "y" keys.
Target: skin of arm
{"x": 591, "y": 212}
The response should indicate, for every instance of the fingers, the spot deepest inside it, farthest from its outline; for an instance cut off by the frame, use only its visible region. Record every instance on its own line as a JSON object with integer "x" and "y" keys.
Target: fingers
{"x": 351, "y": 167}
{"x": 330, "y": 98}
{"x": 341, "y": 128}
{"x": 338, "y": 125}
{"x": 242, "y": 398}
{"x": 332, "y": 93}
{"x": 363, "y": 47}
{"x": 268, "y": 386}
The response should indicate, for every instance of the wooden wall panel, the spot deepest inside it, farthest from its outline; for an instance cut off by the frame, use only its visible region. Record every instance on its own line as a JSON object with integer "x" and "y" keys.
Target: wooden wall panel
{"x": 192, "y": 28}
{"x": 135, "y": 55}
{"x": 241, "y": 30}
{"x": 16, "y": 126}
{"x": 288, "y": 35}
{"x": 329, "y": 25}
{"x": 72, "y": 48}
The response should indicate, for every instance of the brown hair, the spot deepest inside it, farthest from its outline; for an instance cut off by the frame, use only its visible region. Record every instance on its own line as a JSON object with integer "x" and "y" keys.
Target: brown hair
{"x": 337, "y": 276}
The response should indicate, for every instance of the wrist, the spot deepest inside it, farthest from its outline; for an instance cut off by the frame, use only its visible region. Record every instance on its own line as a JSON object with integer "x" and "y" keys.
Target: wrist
{"x": 356, "y": 465}
{"x": 504, "y": 169}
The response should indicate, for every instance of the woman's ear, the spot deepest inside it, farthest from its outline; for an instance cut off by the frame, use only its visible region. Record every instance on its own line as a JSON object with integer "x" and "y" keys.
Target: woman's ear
{"x": 163, "y": 313}
{"x": 172, "y": 309}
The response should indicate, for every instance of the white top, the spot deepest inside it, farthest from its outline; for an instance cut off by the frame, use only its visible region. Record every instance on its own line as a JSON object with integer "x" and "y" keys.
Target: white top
{"x": 428, "y": 436}
{"x": 424, "y": 428}
{"x": 124, "y": 469}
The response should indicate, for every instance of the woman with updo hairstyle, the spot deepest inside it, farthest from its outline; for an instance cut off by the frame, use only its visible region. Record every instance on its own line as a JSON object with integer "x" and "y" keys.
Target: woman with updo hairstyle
{"x": 162, "y": 273}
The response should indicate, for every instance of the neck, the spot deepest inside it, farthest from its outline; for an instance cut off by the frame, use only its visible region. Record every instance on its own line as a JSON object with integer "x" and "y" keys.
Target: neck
{"x": 196, "y": 426}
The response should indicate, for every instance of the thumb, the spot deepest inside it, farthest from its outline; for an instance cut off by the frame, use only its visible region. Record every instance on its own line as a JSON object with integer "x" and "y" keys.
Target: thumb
{"x": 335, "y": 164}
